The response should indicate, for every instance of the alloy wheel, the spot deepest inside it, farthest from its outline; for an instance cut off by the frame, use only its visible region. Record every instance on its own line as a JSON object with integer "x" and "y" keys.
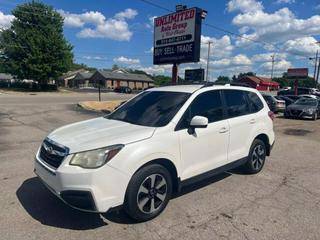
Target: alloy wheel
{"x": 258, "y": 156}
{"x": 152, "y": 193}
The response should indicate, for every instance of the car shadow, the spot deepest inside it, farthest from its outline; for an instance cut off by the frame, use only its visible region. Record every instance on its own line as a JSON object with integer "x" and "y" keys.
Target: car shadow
{"x": 46, "y": 208}
{"x": 201, "y": 184}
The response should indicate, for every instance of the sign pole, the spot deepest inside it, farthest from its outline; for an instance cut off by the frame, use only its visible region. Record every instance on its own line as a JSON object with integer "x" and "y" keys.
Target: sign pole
{"x": 99, "y": 88}
{"x": 174, "y": 73}
{"x": 208, "y": 59}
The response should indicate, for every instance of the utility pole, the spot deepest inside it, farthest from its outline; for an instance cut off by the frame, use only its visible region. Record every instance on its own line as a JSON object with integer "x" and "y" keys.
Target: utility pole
{"x": 272, "y": 66}
{"x": 315, "y": 66}
{"x": 317, "y": 78}
{"x": 208, "y": 60}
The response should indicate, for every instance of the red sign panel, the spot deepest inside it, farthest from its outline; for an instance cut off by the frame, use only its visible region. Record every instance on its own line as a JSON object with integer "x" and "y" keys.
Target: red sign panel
{"x": 298, "y": 72}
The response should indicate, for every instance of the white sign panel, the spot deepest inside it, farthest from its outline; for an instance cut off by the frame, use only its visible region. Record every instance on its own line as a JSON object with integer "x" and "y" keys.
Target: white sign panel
{"x": 177, "y": 37}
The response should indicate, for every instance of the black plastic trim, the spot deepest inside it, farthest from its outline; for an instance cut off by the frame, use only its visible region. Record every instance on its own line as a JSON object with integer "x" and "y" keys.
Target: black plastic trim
{"x": 82, "y": 200}
{"x": 211, "y": 173}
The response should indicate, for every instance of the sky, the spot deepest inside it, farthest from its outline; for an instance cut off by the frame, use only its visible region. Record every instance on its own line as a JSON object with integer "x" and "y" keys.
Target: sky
{"x": 105, "y": 32}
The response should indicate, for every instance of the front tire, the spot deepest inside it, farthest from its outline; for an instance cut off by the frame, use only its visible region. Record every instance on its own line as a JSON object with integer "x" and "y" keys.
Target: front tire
{"x": 315, "y": 116}
{"x": 148, "y": 192}
{"x": 256, "y": 158}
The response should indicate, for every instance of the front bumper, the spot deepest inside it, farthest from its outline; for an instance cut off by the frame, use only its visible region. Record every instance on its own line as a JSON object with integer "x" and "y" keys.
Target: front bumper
{"x": 298, "y": 114}
{"x": 92, "y": 190}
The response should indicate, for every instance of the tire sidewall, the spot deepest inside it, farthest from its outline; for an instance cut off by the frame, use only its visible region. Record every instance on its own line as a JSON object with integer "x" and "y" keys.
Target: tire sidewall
{"x": 130, "y": 204}
{"x": 249, "y": 165}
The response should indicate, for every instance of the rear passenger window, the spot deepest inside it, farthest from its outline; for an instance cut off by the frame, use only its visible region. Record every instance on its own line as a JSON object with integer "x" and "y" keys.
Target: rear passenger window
{"x": 208, "y": 105}
{"x": 237, "y": 104}
{"x": 254, "y": 101}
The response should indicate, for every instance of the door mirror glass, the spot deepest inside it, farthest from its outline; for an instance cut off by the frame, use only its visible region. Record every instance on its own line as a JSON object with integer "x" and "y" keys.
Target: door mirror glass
{"x": 199, "y": 122}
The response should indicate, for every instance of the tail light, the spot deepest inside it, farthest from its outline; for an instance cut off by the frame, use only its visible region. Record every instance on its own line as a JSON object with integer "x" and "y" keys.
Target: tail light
{"x": 271, "y": 115}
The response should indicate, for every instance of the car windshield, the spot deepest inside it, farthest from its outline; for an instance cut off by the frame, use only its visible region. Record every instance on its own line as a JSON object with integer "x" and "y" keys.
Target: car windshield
{"x": 306, "y": 101}
{"x": 151, "y": 108}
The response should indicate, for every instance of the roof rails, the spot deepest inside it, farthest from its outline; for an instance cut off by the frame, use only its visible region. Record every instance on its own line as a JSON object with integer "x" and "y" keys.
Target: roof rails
{"x": 209, "y": 84}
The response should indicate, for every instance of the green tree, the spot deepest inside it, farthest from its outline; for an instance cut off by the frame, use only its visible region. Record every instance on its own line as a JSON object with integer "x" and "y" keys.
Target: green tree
{"x": 115, "y": 67}
{"x": 222, "y": 80}
{"x": 160, "y": 80}
{"x": 34, "y": 46}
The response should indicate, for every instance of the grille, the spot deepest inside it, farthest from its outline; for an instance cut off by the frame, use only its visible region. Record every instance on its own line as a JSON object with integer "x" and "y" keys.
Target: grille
{"x": 296, "y": 112}
{"x": 52, "y": 154}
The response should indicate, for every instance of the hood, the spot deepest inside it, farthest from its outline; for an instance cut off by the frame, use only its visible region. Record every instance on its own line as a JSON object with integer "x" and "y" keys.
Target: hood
{"x": 300, "y": 107}
{"x": 97, "y": 133}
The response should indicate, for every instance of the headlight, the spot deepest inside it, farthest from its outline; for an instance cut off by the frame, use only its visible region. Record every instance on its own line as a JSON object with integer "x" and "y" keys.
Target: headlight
{"x": 309, "y": 111}
{"x": 95, "y": 158}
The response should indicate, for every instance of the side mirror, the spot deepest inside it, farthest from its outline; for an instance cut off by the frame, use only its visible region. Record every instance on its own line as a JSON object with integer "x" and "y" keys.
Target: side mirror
{"x": 197, "y": 122}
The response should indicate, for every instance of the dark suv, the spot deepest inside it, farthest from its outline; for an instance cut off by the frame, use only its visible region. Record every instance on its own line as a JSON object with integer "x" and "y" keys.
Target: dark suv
{"x": 123, "y": 90}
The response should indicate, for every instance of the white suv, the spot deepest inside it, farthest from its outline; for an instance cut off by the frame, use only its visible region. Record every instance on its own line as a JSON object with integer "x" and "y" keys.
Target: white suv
{"x": 151, "y": 146}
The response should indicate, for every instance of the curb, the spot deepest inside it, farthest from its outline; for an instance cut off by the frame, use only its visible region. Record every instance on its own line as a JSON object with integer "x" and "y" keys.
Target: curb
{"x": 84, "y": 107}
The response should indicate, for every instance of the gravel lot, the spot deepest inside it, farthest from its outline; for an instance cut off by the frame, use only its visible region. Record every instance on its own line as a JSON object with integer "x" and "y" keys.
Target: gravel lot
{"x": 282, "y": 202}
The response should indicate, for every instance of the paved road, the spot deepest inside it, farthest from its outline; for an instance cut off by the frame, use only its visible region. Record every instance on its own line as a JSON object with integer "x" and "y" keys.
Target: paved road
{"x": 282, "y": 202}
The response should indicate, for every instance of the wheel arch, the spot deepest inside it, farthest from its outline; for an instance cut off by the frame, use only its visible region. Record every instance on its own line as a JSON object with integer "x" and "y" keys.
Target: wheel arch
{"x": 264, "y": 138}
{"x": 169, "y": 165}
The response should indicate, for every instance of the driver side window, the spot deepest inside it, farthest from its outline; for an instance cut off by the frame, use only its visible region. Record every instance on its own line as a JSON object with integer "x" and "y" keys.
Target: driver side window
{"x": 207, "y": 104}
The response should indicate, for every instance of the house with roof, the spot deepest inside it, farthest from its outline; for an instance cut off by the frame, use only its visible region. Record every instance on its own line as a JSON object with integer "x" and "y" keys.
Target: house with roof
{"x": 260, "y": 83}
{"x": 66, "y": 79}
{"x": 114, "y": 79}
{"x": 80, "y": 80}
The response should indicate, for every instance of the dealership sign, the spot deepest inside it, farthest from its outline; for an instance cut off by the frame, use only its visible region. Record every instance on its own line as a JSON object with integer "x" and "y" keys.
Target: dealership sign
{"x": 298, "y": 72}
{"x": 177, "y": 37}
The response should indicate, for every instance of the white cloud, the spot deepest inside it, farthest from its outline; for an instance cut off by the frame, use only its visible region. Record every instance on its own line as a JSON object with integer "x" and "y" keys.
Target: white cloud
{"x": 221, "y": 47}
{"x": 304, "y": 46}
{"x": 79, "y": 20}
{"x": 150, "y": 24}
{"x": 266, "y": 57}
{"x": 126, "y": 60}
{"x": 126, "y": 14}
{"x": 232, "y": 62}
{"x": 5, "y": 20}
{"x": 285, "y": 1}
{"x": 280, "y": 26}
{"x": 149, "y": 51}
{"x": 93, "y": 57}
{"x": 115, "y": 28}
{"x": 112, "y": 29}
{"x": 280, "y": 66}
{"x": 244, "y": 6}
{"x": 157, "y": 69}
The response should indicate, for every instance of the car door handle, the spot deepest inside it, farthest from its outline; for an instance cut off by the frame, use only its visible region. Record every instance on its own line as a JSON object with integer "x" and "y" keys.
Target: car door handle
{"x": 252, "y": 121}
{"x": 223, "y": 130}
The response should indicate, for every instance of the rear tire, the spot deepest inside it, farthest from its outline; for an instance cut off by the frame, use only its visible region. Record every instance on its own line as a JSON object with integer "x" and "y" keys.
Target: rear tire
{"x": 148, "y": 192}
{"x": 256, "y": 158}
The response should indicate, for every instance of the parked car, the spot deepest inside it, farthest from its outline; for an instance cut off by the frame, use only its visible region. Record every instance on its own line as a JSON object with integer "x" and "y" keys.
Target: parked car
{"x": 309, "y": 96}
{"x": 274, "y": 104}
{"x": 287, "y": 100}
{"x": 301, "y": 90}
{"x": 123, "y": 90}
{"x": 153, "y": 145}
{"x": 303, "y": 108}
{"x": 293, "y": 97}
